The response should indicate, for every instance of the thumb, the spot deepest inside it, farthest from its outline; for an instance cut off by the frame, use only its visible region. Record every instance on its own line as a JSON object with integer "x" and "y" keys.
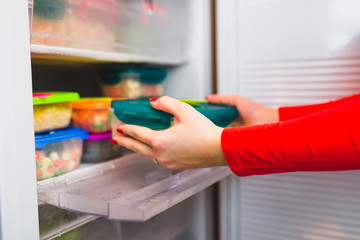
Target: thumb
{"x": 222, "y": 99}
{"x": 180, "y": 110}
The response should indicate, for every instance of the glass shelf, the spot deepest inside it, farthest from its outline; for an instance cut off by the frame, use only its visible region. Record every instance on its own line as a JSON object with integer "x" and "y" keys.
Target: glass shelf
{"x": 45, "y": 52}
{"x": 130, "y": 188}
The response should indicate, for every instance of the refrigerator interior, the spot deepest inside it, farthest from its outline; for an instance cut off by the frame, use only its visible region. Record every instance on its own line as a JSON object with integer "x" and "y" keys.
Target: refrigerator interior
{"x": 288, "y": 53}
{"x": 71, "y": 66}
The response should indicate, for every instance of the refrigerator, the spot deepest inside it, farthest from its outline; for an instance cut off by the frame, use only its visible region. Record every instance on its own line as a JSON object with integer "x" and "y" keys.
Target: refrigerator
{"x": 276, "y": 52}
{"x": 283, "y": 53}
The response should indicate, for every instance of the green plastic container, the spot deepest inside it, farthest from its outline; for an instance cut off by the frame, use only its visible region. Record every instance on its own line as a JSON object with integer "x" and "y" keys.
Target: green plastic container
{"x": 140, "y": 112}
{"x": 52, "y": 110}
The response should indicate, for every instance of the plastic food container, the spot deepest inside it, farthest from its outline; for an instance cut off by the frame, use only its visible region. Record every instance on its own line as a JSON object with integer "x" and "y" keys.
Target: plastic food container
{"x": 52, "y": 110}
{"x": 98, "y": 148}
{"x": 86, "y": 24}
{"x": 49, "y": 19}
{"x": 140, "y": 112}
{"x": 92, "y": 114}
{"x": 132, "y": 83}
{"x": 58, "y": 152}
{"x": 160, "y": 29}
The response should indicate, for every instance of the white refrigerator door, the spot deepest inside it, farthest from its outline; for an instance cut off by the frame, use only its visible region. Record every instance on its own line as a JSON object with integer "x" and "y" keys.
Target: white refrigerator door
{"x": 289, "y": 52}
{"x": 18, "y": 200}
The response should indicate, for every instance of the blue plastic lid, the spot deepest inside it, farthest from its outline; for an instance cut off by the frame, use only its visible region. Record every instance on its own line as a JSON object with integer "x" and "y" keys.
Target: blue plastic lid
{"x": 59, "y": 135}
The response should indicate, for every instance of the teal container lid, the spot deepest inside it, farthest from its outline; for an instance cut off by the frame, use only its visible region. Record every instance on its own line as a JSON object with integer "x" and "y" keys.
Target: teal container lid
{"x": 140, "y": 112}
{"x": 50, "y": 9}
{"x": 54, "y": 97}
{"x": 59, "y": 135}
{"x": 146, "y": 75}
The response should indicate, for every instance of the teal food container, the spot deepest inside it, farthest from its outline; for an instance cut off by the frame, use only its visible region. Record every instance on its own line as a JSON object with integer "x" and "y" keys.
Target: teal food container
{"x": 140, "y": 112}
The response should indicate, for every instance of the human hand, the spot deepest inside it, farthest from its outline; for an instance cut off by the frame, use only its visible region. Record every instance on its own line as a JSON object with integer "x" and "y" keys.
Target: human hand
{"x": 192, "y": 142}
{"x": 250, "y": 112}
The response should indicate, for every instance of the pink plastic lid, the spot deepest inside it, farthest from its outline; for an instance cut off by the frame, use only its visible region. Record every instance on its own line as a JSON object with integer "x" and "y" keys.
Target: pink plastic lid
{"x": 41, "y": 95}
{"x": 100, "y": 136}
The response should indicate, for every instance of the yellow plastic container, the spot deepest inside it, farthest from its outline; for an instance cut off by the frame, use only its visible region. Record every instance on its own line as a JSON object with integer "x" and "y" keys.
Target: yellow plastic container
{"x": 52, "y": 110}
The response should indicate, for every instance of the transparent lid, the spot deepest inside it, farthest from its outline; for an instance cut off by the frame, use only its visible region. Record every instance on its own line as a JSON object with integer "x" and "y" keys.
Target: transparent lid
{"x": 54, "y": 97}
{"x": 140, "y": 112}
{"x": 130, "y": 188}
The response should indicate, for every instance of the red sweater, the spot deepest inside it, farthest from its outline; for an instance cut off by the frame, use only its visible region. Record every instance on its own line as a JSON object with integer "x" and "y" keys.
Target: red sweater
{"x": 319, "y": 137}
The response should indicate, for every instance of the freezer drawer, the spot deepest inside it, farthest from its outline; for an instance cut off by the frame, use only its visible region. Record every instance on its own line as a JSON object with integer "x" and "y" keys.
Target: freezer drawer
{"x": 151, "y": 29}
{"x": 131, "y": 188}
{"x": 54, "y": 221}
{"x": 185, "y": 221}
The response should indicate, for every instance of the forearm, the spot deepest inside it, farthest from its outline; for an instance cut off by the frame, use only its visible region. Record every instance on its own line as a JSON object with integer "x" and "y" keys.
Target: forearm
{"x": 325, "y": 141}
{"x": 287, "y": 113}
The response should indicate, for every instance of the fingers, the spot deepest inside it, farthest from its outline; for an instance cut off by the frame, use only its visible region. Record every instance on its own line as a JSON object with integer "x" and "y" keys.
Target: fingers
{"x": 223, "y": 99}
{"x": 134, "y": 145}
{"x": 142, "y": 134}
{"x": 170, "y": 105}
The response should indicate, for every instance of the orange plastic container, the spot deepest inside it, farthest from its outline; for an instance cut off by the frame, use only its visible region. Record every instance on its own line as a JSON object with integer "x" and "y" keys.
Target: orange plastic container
{"x": 92, "y": 114}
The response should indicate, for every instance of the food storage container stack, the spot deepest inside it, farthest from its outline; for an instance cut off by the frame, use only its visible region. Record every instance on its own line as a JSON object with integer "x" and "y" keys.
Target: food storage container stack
{"x": 93, "y": 115}
{"x": 58, "y": 152}
{"x": 132, "y": 83}
{"x": 58, "y": 146}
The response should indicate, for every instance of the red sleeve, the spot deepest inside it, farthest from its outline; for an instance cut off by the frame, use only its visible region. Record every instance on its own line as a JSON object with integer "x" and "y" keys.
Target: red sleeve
{"x": 287, "y": 113}
{"x": 325, "y": 141}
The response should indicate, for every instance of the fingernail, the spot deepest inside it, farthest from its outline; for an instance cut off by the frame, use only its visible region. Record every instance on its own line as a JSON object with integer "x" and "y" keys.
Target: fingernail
{"x": 153, "y": 99}
{"x": 119, "y": 131}
{"x": 113, "y": 141}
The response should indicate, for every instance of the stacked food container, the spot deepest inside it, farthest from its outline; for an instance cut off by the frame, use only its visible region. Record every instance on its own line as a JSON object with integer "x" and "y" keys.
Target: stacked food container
{"x": 58, "y": 146}
{"x": 93, "y": 115}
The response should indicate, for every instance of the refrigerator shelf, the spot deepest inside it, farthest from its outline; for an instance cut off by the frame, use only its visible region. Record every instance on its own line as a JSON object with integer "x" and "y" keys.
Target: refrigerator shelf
{"x": 130, "y": 188}
{"x": 93, "y": 56}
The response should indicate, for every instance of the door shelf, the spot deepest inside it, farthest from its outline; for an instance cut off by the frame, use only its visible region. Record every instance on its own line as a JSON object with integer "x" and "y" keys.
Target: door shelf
{"x": 46, "y": 52}
{"x": 130, "y": 188}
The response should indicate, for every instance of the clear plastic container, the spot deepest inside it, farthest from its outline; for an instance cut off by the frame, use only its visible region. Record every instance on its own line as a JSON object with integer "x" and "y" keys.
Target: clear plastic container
{"x": 52, "y": 110}
{"x": 98, "y": 148}
{"x": 74, "y": 23}
{"x": 58, "y": 152}
{"x": 92, "y": 114}
{"x": 149, "y": 28}
{"x": 132, "y": 83}
{"x": 115, "y": 123}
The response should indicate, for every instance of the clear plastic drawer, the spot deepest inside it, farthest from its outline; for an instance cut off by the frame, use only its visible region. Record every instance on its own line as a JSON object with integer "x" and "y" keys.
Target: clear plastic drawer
{"x": 131, "y": 188}
{"x": 158, "y": 28}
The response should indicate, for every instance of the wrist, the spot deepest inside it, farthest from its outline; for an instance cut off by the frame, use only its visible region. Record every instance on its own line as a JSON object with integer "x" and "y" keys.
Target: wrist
{"x": 220, "y": 157}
